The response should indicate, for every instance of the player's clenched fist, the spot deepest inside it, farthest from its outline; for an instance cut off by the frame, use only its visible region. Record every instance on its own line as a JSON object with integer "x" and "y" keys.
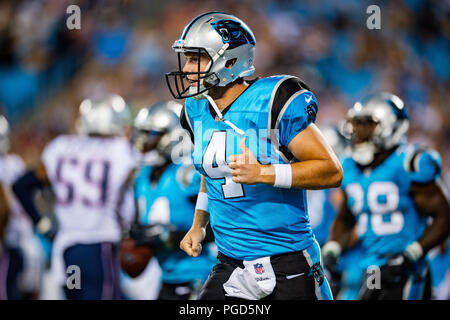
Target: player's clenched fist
{"x": 245, "y": 168}
{"x": 191, "y": 243}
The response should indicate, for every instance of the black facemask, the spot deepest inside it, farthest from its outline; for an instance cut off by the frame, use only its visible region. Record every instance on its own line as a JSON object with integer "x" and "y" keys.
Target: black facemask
{"x": 179, "y": 84}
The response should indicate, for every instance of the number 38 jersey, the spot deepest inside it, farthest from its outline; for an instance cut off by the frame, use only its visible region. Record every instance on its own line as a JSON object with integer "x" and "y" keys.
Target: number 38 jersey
{"x": 380, "y": 199}
{"x": 252, "y": 221}
{"x": 87, "y": 175}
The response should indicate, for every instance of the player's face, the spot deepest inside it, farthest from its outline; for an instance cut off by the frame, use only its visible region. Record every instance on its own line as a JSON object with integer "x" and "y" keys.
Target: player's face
{"x": 363, "y": 130}
{"x": 191, "y": 65}
{"x": 148, "y": 140}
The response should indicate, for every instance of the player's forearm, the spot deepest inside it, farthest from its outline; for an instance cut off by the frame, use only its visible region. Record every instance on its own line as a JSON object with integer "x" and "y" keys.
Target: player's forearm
{"x": 202, "y": 184}
{"x": 311, "y": 174}
{"x": 24, "y": 189}
{"x": 201, "y": 220}
{"x": 343, "y": 226}
{"x": 4, "y": 213}
{"x": 341, "y": 232}
{"x": 201, "y": 217}
{"x": 437, "y": 232}
{"x": 431, "y": 200}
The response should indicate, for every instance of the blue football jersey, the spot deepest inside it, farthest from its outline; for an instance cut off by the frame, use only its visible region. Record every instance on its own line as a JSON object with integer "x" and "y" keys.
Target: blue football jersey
{"x": 352, "y": 273}
{"x": 321, "y": 213}
{"x": 386, "y": 216}
{"x": 168, "y": 202}
{"x": 252, "y": 221}
{"x": 439, "y": 261}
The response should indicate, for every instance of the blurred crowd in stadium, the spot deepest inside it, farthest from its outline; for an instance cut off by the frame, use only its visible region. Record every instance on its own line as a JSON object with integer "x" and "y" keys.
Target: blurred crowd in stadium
{"x": 124, "y": 46}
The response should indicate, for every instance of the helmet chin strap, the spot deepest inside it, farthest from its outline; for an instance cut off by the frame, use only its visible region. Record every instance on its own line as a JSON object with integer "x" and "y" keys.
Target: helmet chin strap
{"x": 200, "y": 96}
{"x": 221, "y": 118}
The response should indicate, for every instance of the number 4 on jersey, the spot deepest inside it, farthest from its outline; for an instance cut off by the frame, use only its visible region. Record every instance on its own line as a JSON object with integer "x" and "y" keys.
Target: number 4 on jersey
{"x": 215, "y": 166}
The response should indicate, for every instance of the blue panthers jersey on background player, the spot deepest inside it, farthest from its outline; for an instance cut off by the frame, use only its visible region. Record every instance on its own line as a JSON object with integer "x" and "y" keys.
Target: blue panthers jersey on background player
{"x": 167, "y": 202}
{"x": 387, "y": 219}
{"x": 352, "y": 273}
{"x": 440, "y": 271}
{"x": 321, "y": 213}
{"x": 252, "y": 221}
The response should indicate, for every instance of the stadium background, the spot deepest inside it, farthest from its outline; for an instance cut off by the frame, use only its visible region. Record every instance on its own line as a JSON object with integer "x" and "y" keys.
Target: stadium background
{"x": 124, "y": 46}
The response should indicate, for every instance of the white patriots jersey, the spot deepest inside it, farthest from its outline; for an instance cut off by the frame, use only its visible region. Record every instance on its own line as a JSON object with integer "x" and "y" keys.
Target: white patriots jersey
{"x": 11, "y": 168}
{"x": 87, "y": 176}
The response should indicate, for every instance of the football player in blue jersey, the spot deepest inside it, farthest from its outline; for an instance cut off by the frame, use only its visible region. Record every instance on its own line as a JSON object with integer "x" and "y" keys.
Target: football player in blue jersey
{"x": 258, "y": 150}
{"x": 391, "y": 188}
{"x": 166, "y": 191}
{"x": 323, "y": 204}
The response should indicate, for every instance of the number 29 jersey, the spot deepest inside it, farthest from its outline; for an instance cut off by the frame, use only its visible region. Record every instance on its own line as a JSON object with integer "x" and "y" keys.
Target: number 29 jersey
{"x": 387, "y": 218}
{"x": 252, "y": 221}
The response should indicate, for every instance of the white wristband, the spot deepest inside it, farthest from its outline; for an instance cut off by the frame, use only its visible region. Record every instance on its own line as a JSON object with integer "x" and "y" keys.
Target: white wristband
{"x": 202, "y": 202}
{"x": 283, "y": 176}
{"x": 414, "y": 251}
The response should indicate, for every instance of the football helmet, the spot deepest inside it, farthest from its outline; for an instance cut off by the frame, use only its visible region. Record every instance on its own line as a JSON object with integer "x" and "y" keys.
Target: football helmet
{"x": 158, "y": 127}
{"x": 107, "y": 116}
{"x": 4, "y": 135}
{"x": 386, "y": 113}
{"x": 228, "y": 43}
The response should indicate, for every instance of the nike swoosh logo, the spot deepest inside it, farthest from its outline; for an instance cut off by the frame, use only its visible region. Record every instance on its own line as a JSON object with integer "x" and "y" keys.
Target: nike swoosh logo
{"x": 291, "y": 276}
{"x": 396, "y": 261}
{"x": 308, "y": 100}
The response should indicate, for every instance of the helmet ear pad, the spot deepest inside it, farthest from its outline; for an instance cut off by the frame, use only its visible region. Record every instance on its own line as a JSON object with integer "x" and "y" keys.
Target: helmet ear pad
{"x": 232, "y": 64}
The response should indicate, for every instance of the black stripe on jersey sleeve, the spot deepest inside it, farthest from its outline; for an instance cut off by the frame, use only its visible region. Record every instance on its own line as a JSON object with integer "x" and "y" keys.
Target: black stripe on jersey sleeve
{"x": 286, "y": 89}
{"x": 185, "y": 124}
{"x": 411, "y": 163}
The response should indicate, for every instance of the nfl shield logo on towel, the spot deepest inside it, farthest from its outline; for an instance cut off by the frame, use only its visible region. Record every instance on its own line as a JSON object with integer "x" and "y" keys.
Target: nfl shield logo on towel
{"x": 259, "y": 269}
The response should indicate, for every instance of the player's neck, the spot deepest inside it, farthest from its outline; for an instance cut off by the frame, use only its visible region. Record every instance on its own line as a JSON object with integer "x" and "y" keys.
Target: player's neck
{"x": 158, "y": 171}
{"x": 381, "y": 157}
{"x": 224, "y": 96}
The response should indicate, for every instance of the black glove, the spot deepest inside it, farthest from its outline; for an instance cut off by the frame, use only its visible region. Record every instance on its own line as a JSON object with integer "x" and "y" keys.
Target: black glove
{"x": 334, "y": 276}
{"x": 149, "y": 235}
{"x": 330, "y": 262}
{"x": 396, "y": 268}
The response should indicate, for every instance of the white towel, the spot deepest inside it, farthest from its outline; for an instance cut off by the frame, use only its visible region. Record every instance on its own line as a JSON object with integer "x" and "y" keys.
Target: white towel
{"x": 257, "y": 280}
